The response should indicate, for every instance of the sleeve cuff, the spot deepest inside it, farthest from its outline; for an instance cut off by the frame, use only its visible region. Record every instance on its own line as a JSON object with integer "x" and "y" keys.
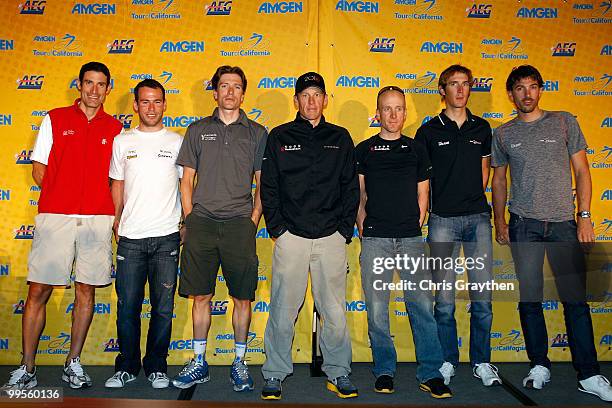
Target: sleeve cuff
{"x": 347, "y": 235}
{"x": 277, "y": 232}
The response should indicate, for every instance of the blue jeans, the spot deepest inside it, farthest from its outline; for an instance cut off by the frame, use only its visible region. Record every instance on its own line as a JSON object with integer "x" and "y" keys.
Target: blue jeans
{"x": 138, "y": 260}
{"x": 560, "y": 243}
{"x": 419, "y": 305}
{"x": 446, "y": 235}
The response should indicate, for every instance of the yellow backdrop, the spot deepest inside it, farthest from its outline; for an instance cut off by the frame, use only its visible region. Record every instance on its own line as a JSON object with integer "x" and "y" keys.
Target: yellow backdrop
{"x": 358, "y": 46}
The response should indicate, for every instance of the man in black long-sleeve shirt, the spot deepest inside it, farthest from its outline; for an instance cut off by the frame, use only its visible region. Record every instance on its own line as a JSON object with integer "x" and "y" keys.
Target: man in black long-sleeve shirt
{"x": 310, "y": 195}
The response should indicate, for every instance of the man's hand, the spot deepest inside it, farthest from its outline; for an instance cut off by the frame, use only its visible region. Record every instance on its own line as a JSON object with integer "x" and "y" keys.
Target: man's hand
{"x": 585, "y": 232}
{"x": 502, "y": 235}
{"x": 116, "y": 229}
{"x": 182, "y": 233}
{"x": 361, "y": 212}
{"x": 584, "y": 190}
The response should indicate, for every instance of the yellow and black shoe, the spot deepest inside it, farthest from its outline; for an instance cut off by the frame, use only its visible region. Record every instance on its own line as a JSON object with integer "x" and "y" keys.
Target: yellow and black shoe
{"x": 272, "y": 389}
{"x": 384, "y": 384}
{"x": 436, "y": 388}
{"x": 342, "y": 387}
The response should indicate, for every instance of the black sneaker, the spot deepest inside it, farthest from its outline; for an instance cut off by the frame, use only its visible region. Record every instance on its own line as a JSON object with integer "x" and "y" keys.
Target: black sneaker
{"x": 384, "y": 384}
{"x": 436, "y": 388}
{"x": 272, "y": 389}
{"x": 342, "y": 387}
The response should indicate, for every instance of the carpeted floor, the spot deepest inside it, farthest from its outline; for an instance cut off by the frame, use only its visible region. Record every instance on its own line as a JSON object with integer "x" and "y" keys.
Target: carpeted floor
{"x": 301, "y": 388}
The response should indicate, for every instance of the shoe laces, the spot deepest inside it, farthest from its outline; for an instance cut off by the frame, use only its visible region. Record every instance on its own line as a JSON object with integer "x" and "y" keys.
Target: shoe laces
{"x": 190, "y": 367}
{"x": 602, "y": 381}
{"x": 76, "y": 367}
{"x": 343, "y": 382}
{"x": 159, "y": 376}
{"x": 272, "y": 382}
{"x": 117, "y": 375}
{"x": 446, "y": 369}
{"x": 240, "y": 368}
{"x": 18, "y": 374}
{"x": 538, "y": 371}
{"x": 489, "y": 369}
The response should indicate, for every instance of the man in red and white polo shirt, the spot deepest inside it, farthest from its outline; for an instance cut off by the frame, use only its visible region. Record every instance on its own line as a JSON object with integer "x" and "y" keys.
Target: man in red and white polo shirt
{"x": 70, "y": 162}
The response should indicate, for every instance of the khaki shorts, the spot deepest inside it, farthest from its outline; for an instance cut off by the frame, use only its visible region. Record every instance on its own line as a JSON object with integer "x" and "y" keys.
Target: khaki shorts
{"x": 60, "y": 240}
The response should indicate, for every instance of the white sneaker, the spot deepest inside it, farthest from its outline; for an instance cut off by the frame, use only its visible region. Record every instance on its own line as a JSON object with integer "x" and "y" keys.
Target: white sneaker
{"x": 447, "y": 370}
{"x": 75, "y": 375}
{"x": 597, "y": 385}
{"x": 159, "y": 380}
{"x": 537, "y": 378}
{"x": 119, "y": 379}
{"x": 20, "y": 379}
{"x": 487, "y": 373}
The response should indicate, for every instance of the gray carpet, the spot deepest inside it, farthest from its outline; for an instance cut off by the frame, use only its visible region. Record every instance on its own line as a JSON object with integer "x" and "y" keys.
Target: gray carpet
{"x": 301, "y": 388}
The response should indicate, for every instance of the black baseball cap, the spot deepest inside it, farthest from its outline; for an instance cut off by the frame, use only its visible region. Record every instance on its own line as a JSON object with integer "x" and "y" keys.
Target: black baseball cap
{"x": 307, "y": 80}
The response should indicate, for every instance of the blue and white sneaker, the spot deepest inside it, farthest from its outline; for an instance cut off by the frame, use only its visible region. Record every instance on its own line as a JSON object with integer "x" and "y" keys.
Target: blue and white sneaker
{"x": 240, "y": 377}
{"x": 192, "y": 373}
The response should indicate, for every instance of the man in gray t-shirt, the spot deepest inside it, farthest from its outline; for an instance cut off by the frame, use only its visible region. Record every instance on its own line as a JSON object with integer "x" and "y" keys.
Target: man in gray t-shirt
{"x": 225, "y": 151}
{"x": 225, "y": 157}
{"x": 539, "y": 154}
{"x": 541, "y": 148}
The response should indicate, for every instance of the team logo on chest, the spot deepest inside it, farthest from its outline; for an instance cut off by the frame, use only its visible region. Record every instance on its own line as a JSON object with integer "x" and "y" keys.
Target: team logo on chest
{"x": 380, "y": 148}
{"x": 165, "y": 153}
{"x": 209, "y": 137}
{"x": 290, "y": 148}
{"x": 131, "y": 154}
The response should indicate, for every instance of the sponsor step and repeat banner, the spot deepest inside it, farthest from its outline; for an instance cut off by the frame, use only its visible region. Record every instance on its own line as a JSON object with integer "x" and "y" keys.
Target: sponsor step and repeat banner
{"x": 358, "y": 46}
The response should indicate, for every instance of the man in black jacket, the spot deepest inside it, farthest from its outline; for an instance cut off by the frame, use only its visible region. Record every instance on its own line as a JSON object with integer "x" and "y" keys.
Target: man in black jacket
{"x": 310, "y": 195}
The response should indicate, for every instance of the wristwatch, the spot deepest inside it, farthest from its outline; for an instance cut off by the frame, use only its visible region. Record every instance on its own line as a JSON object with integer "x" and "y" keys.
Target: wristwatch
{"x": 584, "y": 214}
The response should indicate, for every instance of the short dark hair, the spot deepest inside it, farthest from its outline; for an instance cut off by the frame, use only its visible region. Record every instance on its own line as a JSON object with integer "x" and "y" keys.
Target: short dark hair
{"x": 149, "y": 83}
{"x": 97, "y": 67}
{"x": 521, "y": 72}
{"x": 453, "y": 69}
{"x": 386, "y": 89}
{"x": 227, "y": 69}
